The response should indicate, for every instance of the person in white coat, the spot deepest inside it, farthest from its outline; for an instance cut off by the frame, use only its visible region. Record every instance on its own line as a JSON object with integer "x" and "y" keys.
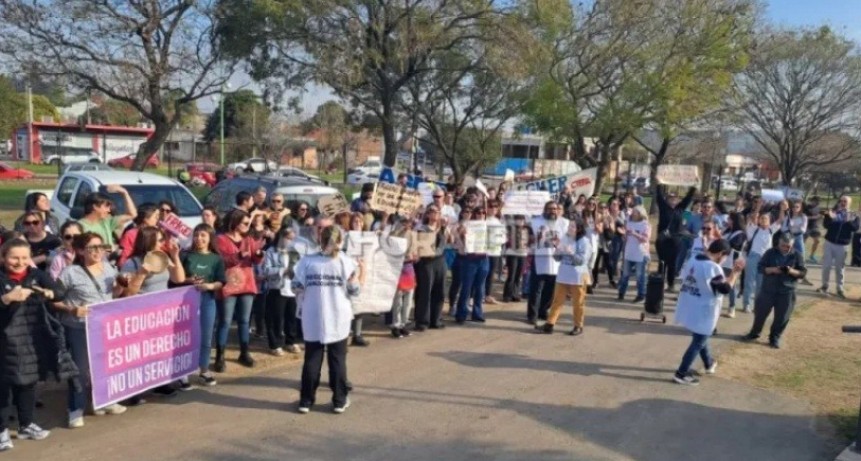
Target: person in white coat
{"x": 326, "y": 282}
{"x": 574, "y": 251}
{"x": 699, "y": 305}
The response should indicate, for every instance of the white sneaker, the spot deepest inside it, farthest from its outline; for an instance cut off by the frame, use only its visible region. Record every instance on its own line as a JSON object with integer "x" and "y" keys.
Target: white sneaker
{"x": 76, "y": 419}
{"x": 115, "y": 409}
{"x": 277, "y": 352}
{"x": 5, "y": 441}
{"x": 687, "y": 380}
{"x": 731, "y": 313}
{"x": 712, "y": 369}
{"x": 343, "y": 408}
{"x": 33, "y": 432}
{"x": 304, "y": 410}
{"x": 294, "y": 349}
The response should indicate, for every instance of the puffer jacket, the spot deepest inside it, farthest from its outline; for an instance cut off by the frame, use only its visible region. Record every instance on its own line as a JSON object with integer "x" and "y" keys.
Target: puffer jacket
{"x": 32, "y": 341}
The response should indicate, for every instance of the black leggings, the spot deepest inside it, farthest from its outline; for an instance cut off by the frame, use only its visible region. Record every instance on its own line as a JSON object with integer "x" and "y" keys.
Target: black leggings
{"x": 430, "y": 290}
{"x": 282, "y": 326}
{"x": 336, "y": 354}
{"x": 24, "y": 398}
{"x": 668, "y": 253}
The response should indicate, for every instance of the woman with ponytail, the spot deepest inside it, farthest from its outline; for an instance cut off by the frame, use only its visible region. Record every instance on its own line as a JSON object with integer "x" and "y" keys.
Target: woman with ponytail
{"x": 88, "y": 280}
{"x": 325, "y": 282}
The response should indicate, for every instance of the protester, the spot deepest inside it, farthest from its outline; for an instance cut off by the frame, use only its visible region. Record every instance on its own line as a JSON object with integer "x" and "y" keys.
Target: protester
{"x": 148, "y": 215}
{"x": 240, "y": 253}
{"x": 280, "y": 299}
{"x": 474, "y": 268}
{"x": 669, "y": 242}
{"x": 781, "y": 268}
{"x": 736, "y": 236}
{"x": 37, "y": 202}
{"x": 244, "y": 201}
{"x": 493, "y": 262}
{"x": 357, "y": 224}
{"x": 699, "y": 305}
{"x": 89, "y": 280}
{"x": 542, "y": 276}
{"x": 210, "y": 217}
{"x": 594, "y": 227}
{"x": 204, "y": 268}
{"x": 516, "y": 251}
{"x": 363, "y": 203}
{"x": 813, "y": 213}
{"x": 759, "y": 234}
{"x": 41, "y": 242}
{"x": 259, "y": 198}
{"x": 33, "y": 341}
{"x": 573, "y": 251}
{"x": 97, "y": 214}
{"x": 795, "y": 225}
{"x": 455, "y": 239}
{"x": 639, "y": 232}
{"x": 430, "y": 270}
{"x": 326, "y": 281}
{"x": 402, "y": 304}
{"x": 840, "y": 224}
{"x": 65, "y": 254}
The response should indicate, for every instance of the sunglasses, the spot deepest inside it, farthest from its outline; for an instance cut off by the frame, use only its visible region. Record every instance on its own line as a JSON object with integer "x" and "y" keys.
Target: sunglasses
{"x": 32, "y": 223}
{"x": 278, "y": 201}
{"x": 437, "y": 196}
{"x": 69, "y": 236}
{"x": 166, "y": 210}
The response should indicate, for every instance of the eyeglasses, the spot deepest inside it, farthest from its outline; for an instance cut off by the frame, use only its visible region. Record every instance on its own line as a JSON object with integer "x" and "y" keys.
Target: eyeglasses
{"x": 437, "y": 196}
{"x": 166, "y": 210}
{"x": 32, "y": 223}
{"x": 69, "y": 236}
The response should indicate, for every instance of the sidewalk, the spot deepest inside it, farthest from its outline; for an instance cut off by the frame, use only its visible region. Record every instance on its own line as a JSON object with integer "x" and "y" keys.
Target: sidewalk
{"x": 478, "y": 392}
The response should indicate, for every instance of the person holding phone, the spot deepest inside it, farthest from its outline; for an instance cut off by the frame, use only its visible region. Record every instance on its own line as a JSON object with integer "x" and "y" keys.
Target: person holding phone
{"x": 736, "y": 235}
{"x": 781, "y": 269}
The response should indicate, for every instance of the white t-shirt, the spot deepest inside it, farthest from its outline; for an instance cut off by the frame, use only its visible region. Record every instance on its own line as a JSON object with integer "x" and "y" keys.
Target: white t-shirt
{"x": 635, "y": 250}
{"x": 574, "y": 266}
{"x": 325, "y": 307}
{"x": 698, "y": 308}
{"x": 545, "y": 231}
{"x": 760, "y": 239}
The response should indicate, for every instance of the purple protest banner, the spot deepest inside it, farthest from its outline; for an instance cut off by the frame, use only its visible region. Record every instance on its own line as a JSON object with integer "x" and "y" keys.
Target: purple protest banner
{"x": 141, "y": 342}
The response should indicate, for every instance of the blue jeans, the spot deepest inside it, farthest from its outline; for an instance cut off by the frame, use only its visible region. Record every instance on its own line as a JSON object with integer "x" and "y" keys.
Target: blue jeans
{"x": 752, "y": 278}
{"x": 473, "y": 272}
{"x": 615, "y": 252}
{"x": 798, "y": 243}
{"x": 207, "y": 325}
{"x": 640, "y": 269}
{"x": 699, "y": 346}
{"x": 242, "y": 304}
{"x": 76, "y": 340}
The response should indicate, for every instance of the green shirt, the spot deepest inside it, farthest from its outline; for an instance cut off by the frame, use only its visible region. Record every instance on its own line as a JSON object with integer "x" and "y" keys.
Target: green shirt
{"x": 207, "y": 265}
{"x": 104, "y": 228}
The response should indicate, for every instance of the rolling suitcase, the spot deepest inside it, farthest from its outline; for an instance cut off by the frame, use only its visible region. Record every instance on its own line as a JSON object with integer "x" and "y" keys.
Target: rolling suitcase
{"x": 654, "y": 304}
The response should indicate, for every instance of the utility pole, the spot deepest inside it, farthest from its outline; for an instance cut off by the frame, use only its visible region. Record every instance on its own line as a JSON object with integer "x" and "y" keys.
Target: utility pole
{"x": 254, "y": 130}
{"x": 221, "y": 124}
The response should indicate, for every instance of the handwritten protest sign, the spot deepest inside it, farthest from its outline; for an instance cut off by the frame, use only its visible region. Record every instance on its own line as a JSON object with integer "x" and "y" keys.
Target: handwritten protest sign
{"x": 678, "y": 175}
{"x": 581, "y": 183}
{"x": 525, "y": 202}
{"x": 175, "y": 227}
{"x": 475, "y": 240}
{"x": 331, "y": 205}
{"x": 383, "y": 258}
{"x": 138, "y": 343}
{"x": 496, "y": 239}
{"x": 392, "y": 198}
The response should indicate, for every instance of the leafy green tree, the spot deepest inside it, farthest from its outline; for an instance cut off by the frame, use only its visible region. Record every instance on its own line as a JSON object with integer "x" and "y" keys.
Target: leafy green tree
{"x": 14, "y": 108}
{"x": 245, "y": 117}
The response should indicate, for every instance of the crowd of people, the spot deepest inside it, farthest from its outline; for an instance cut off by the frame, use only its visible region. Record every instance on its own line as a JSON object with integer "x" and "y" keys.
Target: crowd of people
{"x": 280, "y": 271}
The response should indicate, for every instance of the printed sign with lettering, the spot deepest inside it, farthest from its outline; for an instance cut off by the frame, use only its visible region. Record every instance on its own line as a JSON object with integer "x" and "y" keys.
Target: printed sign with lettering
{"x": 525, "y": 202}
{"x": 580, "y": 183}
{"x": 679, "y": 175}
{"x": 392, "y": 198}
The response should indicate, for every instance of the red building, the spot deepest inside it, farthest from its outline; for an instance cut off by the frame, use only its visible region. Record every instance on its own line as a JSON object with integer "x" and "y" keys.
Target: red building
{"x": 39, "y": 141}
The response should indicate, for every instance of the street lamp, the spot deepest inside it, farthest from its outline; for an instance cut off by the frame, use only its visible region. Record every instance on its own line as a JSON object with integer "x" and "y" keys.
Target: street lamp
{"x": 220, "y": 102}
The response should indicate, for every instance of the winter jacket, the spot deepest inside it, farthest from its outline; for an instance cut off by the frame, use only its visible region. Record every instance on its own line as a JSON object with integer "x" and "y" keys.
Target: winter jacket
{"x": 839, "y": 230}
{"x": 32, "y": 342}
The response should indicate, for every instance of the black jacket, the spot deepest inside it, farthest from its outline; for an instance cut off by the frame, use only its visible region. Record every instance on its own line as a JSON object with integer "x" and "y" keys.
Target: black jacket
{"x": 840, "y": 232}
{"x": 32, "y": 342}
{"x": 671, "y": 219}
{"x": 780, "y": 283}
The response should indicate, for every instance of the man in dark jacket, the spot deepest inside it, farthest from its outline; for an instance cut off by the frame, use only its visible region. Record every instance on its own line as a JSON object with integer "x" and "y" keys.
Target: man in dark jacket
{"x": 840, "y": 224}
{"x": 782, "y": 268}
{"x": 670, "y": 228}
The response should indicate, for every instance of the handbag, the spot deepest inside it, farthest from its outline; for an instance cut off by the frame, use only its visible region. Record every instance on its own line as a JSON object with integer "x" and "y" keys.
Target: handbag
{"x": 239, "y": 280}
{"x": 407, "y": 280}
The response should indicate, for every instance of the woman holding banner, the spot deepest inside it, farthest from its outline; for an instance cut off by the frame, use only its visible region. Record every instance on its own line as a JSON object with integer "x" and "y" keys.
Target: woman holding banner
{"x": 325, "y": 282}
{"x": 473, "y": 271}
{"x": 88, "y": 280}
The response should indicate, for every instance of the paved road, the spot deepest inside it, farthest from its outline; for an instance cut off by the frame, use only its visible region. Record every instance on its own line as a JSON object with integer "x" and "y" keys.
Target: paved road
{"x": 495, "y": 392}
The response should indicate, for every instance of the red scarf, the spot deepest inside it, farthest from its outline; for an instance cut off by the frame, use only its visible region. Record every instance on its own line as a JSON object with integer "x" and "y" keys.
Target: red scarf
{"x": 17, "y": 277}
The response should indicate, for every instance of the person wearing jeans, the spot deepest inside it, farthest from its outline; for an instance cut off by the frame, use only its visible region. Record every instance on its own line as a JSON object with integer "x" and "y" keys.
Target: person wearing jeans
{"x": 699, "y": 305}
{"x": 759, "y": 234}
{"x": 473, "y": 270}
{"x": 638, "y": 231}
{"x": 840, "y": 224}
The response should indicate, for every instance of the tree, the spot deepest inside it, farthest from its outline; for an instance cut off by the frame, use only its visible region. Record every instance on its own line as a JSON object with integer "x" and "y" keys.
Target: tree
{"x": 689, "y": 66}
{"x": 244, "y": 120}
{"x": 107, "y": 111}
{"x": 336, "y": 131}
{"x": 802, "y": 87}
{"x": 156, "y": 56}
{"x": 14, "y": 111}
{"x": 367, "y": 51}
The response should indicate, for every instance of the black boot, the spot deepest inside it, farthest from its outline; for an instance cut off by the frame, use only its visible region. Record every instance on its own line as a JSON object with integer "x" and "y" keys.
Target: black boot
{"x": 245, "y": 357}
{"x": 219, "y": 360}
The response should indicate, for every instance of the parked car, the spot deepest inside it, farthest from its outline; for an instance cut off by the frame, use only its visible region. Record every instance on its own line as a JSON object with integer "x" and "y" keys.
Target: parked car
{"x": 202, "y": 174}
{"x": 10, "y": 172}
{"x": 372, "y": 166}
{"x": 293, "y": 172}
{"x": 72, "y": 156}
{"x": 257, "y": 164}
{"x": 361, "y": 177}
{"x": 223, "y": 195}
{"x": 90, "y": 166}
{"x": 126, "y": 162}
{"x": 72, "y": 190}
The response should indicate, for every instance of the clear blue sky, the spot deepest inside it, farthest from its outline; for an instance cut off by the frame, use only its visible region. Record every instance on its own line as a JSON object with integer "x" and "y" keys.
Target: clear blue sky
{"x": 843, "y": 15}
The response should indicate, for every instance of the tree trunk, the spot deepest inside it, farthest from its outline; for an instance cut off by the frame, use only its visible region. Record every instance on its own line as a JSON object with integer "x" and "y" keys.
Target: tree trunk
{"x": 152, "y": 145}
{"x": 390, "y": 142}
